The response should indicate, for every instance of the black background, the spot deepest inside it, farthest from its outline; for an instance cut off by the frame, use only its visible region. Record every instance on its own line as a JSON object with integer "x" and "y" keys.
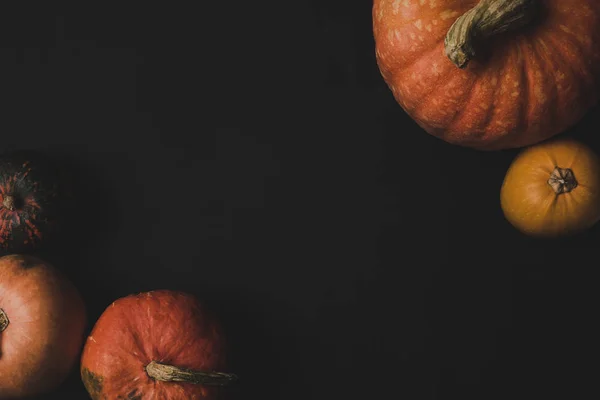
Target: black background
{"x": 251, "y": 154}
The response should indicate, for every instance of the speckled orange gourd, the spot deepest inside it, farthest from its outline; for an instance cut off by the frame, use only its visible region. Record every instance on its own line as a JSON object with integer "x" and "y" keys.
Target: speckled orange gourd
{"x": 155, "y": 345}
{"x": 490, "y": 74}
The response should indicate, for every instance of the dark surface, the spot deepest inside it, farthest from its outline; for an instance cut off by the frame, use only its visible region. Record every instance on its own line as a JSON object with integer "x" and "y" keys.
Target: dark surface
{"x": 251, "y": 154}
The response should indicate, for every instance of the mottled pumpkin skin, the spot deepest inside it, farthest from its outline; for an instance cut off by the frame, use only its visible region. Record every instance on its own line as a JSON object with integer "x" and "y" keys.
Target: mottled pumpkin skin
{"x": 164, "y": 326}
{"x": 44, "y": 337}
{"x": 33, "y": 183}
{"x": 532, "y": 206}
{"x": 522, "y": 87}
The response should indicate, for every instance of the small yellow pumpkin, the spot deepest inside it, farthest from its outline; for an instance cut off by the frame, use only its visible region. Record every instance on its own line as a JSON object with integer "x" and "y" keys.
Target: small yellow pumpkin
{"x": 553, "y": 189}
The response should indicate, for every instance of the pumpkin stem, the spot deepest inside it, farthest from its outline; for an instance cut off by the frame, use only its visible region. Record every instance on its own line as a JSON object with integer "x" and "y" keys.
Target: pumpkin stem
{"x": 3, "y": 320}
{"x": 488, "y": 18}
{"x": 562, "y": 180}
{"x": 9, "y": 202}
{"x": 169, "y": 373}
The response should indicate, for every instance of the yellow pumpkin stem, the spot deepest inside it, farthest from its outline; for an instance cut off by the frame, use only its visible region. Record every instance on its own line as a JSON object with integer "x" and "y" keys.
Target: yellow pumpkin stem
{"x": 486, "y": 19}
{"x": 562, "y": 180}
{"x": 170, "y": 373}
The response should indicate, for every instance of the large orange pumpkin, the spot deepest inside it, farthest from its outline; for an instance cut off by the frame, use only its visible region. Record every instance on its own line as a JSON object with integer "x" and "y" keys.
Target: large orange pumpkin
{"x": 42, "y": 322}
{"x": 553, "y": 189}
{"x": 156, "y": 345}
{"x": 490, "y": 74}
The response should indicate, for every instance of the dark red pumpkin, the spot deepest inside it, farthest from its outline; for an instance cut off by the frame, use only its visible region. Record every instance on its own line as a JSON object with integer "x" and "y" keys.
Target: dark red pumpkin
{"x": 155, "y": 345}
{"x": 490, "y": 74}
{"x": 29, "y": 192}
{"x": 42, "y": 323}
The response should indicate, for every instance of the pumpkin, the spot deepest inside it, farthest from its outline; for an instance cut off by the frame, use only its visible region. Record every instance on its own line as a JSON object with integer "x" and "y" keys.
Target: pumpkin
{"x": 155, "y": 345}
{"x": 490, "y": 74}
{"x": 553, "y": 189}
{"x": 42, "y": 323}
{"x": 29, "y": 193}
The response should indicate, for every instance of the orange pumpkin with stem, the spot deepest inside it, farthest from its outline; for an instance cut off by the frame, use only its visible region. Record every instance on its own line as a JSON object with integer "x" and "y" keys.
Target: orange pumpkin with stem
{"x": 161, "y": 344}
{"x": 490, "y": 74}
{"x": 553, "y": 189}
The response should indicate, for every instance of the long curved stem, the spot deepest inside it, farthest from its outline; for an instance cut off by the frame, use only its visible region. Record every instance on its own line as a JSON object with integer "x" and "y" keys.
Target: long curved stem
{"x": 486, "y": 19}
{"x": 170, "y": 373}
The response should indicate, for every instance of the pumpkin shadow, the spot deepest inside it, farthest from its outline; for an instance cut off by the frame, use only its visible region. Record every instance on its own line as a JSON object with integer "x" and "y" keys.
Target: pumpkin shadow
{"x": 565, "y": 255}
{"x": 586, "y": 129}
{"x": 90, "y": 218}
{"x": 87, "y": 215}
{"x": 87, "y": 219}
{"x": 262, "y": 339}
{"x": 71, "y": 388}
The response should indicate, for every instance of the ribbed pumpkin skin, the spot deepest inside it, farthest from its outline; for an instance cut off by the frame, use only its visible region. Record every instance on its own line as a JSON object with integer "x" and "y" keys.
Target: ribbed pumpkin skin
{"x": 163, "y": 326}
{"x": 522, "y": 87}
